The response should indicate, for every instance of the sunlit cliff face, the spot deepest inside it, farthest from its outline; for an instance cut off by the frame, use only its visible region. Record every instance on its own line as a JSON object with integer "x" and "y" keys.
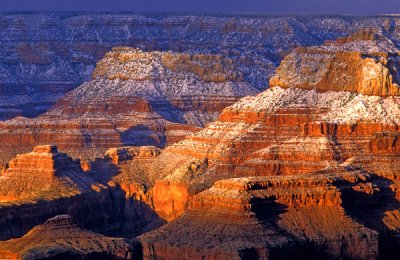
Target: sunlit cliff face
{"x": 188, "y": 154}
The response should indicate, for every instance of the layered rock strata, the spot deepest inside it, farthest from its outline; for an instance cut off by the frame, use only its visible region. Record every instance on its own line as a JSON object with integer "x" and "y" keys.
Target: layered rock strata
{"x": 44, "y": 183}
{"x": 42, "y": 173}
{"x": 135, "y": 98}
{"x": 278, "y": 132}
{"x": 281, "y": 134}
{"x": 365, "y": 63}
{"x": 269, "y": 218}
{"x": 60, "y": 237}
{"x": 43, "y": 56}
{"x": 315, "y": 170}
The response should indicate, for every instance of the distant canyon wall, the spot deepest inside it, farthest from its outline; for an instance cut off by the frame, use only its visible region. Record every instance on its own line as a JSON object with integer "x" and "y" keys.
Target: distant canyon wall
{"x": 45, "y": 55}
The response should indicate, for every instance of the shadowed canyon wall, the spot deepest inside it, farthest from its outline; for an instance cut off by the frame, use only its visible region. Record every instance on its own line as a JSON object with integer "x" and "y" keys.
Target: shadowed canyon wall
{"x": 45, "y": 55}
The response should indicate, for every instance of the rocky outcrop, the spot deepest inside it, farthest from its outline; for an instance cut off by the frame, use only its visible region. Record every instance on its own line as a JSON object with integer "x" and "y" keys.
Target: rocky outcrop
{"x": 121, "y": 154}
{"x": 159, "y": 99}
{"x": 42, "y": 173}
{"x": 44, "y": 183}
{"x": 313, "y": 152}
{"x": 267, "y": 218}
{"x": 365, "y": 63}
{"x": 60, "y": 237}
{"x": 45, "y": 56}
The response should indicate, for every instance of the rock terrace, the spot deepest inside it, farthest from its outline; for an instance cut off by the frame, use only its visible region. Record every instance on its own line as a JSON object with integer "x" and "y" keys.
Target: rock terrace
{"x": 308, "y": 170}
{"x": 61, "y": 237}
{"x": 365, "y": 63}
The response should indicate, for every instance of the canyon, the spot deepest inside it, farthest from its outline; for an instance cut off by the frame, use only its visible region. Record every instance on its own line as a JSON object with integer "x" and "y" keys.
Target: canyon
{"x": 60, "y": 237}
{"x": 45, "y": 55}
{"x": 366, "y": 63}
{"x": 180, "y": 154}
{"x": 302, "y": 171}
{"x": 134, "y": 98}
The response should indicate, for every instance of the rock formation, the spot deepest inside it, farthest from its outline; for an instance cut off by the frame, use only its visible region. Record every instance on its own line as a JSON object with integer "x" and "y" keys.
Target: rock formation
{"x": 281, "y": 132}
{"x": 60, "y": 237}
{"x": 268, "y": 218}
{"x": 135, "y": 98}
{"x": 319, "y": 155}
{"x": 43, "y": 173}
{"x": 44, "y": 183}
{"x": 44, "y": 56}
{"x": 366, "y": 63}
{"x": 306, "y": 171}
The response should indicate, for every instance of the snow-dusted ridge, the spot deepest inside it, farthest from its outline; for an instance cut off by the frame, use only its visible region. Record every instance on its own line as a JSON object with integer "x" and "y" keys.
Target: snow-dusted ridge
{"x": 341, "y": 106}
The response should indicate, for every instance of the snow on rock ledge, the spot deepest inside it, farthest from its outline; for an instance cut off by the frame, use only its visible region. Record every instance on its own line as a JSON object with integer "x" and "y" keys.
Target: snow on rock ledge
{"x": 365, "y": 63}
{"x": 335, "y": 106}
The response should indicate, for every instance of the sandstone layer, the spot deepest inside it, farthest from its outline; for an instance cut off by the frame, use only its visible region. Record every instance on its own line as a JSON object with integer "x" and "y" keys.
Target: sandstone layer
{"x": 44, "y": 183}
{"x": 43, "y": 56}
{"x": 319, "y": 155}
{"x": 135, "y": 98}
{"x": 290, "y": 171}
{"x": 365, "y": 63}
{"x": 61, "y": 238}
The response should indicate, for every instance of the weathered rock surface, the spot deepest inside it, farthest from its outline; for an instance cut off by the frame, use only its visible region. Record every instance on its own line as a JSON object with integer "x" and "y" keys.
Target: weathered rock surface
{"x": 365, "y": 63}
{"x": 42, "y": 174}
{"x": 60, "y": 237}
{"x": 135, "y": 98}
{"x": 313, "y": 151}
{"x": 267, "y": 218}
{"x": 43, "y": 56}
{"x": 44, "y": 183}
{"x": 315, "y": 172}
{"x": 278, "y": 132}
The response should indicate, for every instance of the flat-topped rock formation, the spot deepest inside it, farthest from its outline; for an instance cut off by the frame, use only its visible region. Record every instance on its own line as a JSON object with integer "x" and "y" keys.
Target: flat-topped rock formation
{"x": 60, "y": 237}
{"x": 365, "y": 63}
{"x": 280, "y": 133}
{"x": 133, "y": 64}
{"x": 45, "y": 56}
{"x": 42, "y": 174}
{"x": 290, "y": 171}
{"x": 44, "y": 183}
{"x": 268, "y": 218}
{"x": 178, "y": 86}
{"x": 44, "y": 162}
{"x": 135, "y": 98}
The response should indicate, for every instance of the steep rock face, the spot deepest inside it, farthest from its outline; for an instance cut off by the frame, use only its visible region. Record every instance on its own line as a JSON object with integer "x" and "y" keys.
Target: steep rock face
{"x": 267, "y": 218}
{"x": 42, "y": 173}
{"x": 365, "y": 63}
{"x": 44, "y": 183}
{"x": 60, "y": 237}
{"x": 43, "y": 56}
{"x": 328, "y": 139}
{"x": 278, "y": 132}
{"x": 135, "y": 98}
